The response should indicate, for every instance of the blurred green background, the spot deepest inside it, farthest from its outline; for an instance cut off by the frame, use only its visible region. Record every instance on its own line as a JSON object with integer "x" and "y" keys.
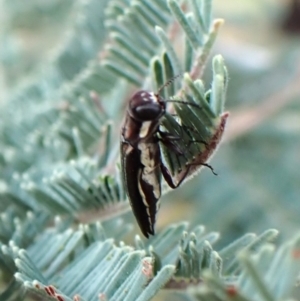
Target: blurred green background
{"x": 258, "y": 185}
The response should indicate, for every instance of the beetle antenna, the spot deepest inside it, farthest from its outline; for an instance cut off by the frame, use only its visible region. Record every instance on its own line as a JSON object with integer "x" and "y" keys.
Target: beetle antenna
{"x": 185, "y": 103}
{"x": 170, "y": 81}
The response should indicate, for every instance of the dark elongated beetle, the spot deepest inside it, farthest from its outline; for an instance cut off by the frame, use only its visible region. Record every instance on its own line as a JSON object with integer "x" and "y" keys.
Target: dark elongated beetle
{"x": 141, "y": 161}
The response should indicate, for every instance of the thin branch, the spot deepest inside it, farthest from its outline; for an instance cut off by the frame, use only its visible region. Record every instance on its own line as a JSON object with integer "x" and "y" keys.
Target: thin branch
{"x": 111, "y": 211}
{"x": 243, "y": 121}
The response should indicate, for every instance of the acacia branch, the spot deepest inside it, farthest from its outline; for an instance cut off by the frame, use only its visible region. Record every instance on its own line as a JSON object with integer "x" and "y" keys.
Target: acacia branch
{"x": 243, "y": 121}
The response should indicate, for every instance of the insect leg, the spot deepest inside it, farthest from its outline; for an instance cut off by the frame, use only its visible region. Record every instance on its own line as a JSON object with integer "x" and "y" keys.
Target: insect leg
{"x": 168, "y": 178}
{"x": 206, "y": 165}
{"x": 168, "y": 140}
{"x": 191, "y": 129}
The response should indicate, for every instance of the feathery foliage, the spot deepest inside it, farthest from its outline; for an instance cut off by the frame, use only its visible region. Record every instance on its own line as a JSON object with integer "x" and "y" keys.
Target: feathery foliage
{"x": 59, "y": 166}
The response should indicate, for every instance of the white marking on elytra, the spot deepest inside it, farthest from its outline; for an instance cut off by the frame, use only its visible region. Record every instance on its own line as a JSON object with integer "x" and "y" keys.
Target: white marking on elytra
{"x": 128, "y": 150}
{"x": 148, "y": 211}
{"x": 148, "y": 175}
{"x": 152, "y": 180}
{"x": 145, "y": 129}
{"x": 145, "y": 202}
{"x": 150, "y": 222}
{"x": 143, "y": 94}
{"x": 144, "y": 198}
{"x": 157, "y": 205}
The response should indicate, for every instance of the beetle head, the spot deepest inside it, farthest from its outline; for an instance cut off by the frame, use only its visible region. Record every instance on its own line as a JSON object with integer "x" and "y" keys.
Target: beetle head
{"x": 146, "y": 106}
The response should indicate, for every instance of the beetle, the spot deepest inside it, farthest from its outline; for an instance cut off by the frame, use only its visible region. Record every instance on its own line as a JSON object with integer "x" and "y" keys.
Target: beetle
{"x": 141, "y": 161}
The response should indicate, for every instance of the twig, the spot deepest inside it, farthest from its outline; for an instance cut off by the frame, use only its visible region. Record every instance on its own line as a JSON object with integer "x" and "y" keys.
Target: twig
{"x": 109, "y": 212}
{"x": 243, "y": 121}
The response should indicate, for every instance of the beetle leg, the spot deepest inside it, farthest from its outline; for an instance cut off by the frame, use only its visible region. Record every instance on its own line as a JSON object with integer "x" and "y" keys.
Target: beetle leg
{"x": 206, "y": 165}
{"x": 168, "y": 140}
{"x": 168, "y": 178}
{"x": 191, "y": 129}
